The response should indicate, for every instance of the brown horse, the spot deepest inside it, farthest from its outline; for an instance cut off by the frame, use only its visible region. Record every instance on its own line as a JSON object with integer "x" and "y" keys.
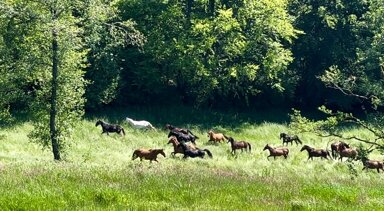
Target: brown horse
{"x": 147, "y": 154}
{"x": 373, "y": 164}
{"x": 273, "y": 152}
{"x": 238, "y": 145}
{"x": 177, "y": 147}
{"x": 312, "y": 152}
{"x": 335, "y": 148}
{"x": 347, "y": 152}
{"x": 216, "y": 137}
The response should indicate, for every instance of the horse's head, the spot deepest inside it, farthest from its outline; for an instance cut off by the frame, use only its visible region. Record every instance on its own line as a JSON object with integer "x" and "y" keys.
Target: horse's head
{"x": 161, "y": 151}
{"x": 305, "y": 147}
{"x": 343, "y": 146}
{"x": 267, "y": 147}
{"x": 98, "y": 123}
{"x": 173, "y": 140}
{"x": 282, "y": 135}
{"x": 171, "y": 133}
{"x": 210, "y": 133}
{"x": 230, "y": 139}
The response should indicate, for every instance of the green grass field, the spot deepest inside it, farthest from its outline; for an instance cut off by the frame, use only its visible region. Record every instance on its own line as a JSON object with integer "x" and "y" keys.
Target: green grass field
{"x": 98, "y": 173}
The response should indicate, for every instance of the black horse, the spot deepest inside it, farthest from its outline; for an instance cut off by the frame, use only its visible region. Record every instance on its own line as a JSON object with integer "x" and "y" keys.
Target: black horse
{"x": 287, "y": 138}
{"x": 110, "y": 128}
{"x": 182, "y": 130}
{"x": 188, "y": 152}
{"x": 181, "y": 137}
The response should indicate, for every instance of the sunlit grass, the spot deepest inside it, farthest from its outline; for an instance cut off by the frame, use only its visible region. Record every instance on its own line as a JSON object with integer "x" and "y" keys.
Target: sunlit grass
{"x": 98, "y": 173}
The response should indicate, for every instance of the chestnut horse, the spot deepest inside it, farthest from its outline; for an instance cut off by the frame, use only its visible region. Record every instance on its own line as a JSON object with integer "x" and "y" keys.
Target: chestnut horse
{"x": 147, "y": 154}
{"x": 273, "y": 152}
{"x": 238, "y": 145}
{"x": 216, "y": 137}
{"x": 110, "y": 128}
{"x": 177, "y": 147}
{"x": 312, "y": 152}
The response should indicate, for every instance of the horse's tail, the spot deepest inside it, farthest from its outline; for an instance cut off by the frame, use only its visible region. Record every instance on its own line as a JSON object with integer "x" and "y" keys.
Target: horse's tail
{"x": 190, "y": 132}
{"x": 298, "y": 140}
{"x": 249, "y": 146}
{"x": 332, "y": 152}
{"x": 226, "y": 137}
{"x": 122, "y": 130}
{"x": 328, "y": 154}
{"x": 208, "y": 152}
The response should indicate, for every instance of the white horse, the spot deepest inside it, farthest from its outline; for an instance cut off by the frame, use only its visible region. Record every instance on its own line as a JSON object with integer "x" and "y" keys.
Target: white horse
{"x": 140, "y": 124}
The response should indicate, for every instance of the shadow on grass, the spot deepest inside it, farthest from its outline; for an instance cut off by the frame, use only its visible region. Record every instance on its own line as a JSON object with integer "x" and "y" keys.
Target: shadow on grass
{"x": 184, "y": 116}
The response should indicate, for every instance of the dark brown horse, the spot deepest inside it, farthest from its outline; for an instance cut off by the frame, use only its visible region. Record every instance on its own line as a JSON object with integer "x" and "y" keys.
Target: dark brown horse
{"x": 216, "y": 137}
{"x": 147, "y": 154}
{"x": 312, "y": 152}
{"x": 347, "y": 152}
{"x": 238, "y": 145}
{"x": 373, "y": 164}
{"x": 274, "y": 152}
{"x": 335, "y": 148}
{"x": 177, "y": 147}
{"x": 178, "y": 129}
{"x": 194, "y": 153}
{"x": 288, "y": 138}
{"x": 110, "y": 128}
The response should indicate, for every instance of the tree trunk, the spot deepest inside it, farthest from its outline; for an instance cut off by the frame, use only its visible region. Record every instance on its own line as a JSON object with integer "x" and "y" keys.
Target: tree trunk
{"x": 211, "y": 7}
{"x": 53, "y": 112}
{"x": 188, "y": 11}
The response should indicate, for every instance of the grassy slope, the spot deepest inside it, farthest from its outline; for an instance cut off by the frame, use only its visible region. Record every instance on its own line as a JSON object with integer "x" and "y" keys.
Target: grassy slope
{"x": 98, "y": 172}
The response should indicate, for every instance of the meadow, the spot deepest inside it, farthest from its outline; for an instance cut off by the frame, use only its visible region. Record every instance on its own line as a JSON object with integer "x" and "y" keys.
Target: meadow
{"x": 97, "y": 172}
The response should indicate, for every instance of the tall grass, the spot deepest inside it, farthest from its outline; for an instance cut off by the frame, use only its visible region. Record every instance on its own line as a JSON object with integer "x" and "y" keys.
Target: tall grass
{"x": 98, "y": 172}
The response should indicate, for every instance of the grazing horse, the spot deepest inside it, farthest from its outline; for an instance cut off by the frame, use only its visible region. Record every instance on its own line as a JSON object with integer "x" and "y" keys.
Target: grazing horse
{"x": 194, "y": 153}
{"x": 335, "y": 148}
{"x": 238, "y": 145}
{"x": 372, "y": 164}
{"x": 347, "y": 152}
{"x": 312, "y": 152}
{"x": 110, "y": 128}
{"x": 177, "y": 147}
{"x": 181, "y": 137}
{"x": 287, "y": 138}
{"x": 216, "y": 137}
{"x": 273, "y": 152}
{"x": 147, "y": 154}
{"x": 182, "y": 130}
{"x": 140, "y": 124}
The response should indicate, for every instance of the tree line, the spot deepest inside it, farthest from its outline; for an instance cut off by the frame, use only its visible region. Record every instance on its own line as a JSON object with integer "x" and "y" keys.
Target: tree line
{"x": 59, "y": 58}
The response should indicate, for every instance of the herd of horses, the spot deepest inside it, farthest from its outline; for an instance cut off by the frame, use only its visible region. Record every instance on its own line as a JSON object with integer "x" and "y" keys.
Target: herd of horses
{"x": 184, "y": 142}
